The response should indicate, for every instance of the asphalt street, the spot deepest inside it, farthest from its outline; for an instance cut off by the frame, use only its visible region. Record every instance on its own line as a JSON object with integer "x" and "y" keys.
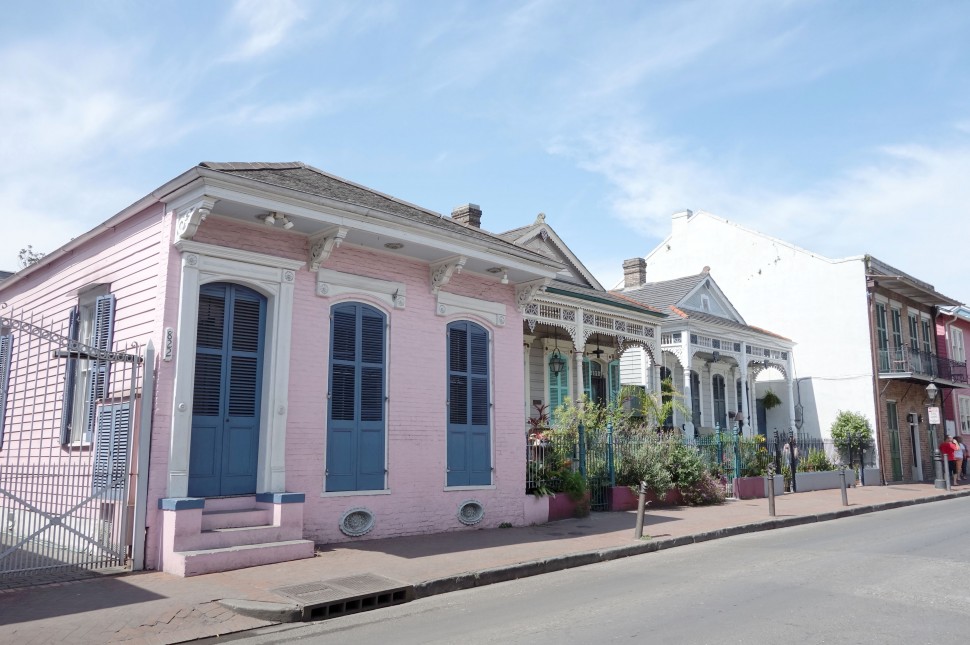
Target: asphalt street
{"x": 898, "y": 576}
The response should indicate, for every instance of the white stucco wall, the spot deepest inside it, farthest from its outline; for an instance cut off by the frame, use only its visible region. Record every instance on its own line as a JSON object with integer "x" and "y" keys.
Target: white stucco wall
{"x": 818, "y": 303}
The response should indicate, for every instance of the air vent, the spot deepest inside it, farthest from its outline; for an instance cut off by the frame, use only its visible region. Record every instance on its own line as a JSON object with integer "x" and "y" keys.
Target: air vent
{"x": 471, "y": 512}
{"x": 357, "y": 521}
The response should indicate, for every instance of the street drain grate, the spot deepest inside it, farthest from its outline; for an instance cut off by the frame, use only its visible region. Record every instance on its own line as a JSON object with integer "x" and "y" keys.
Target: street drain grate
{"x": 349, "y": 595}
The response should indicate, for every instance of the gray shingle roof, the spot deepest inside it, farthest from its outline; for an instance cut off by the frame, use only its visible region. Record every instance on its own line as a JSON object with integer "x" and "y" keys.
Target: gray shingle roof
{"x": 665, "y": 293}
{"x": 301, "y": 177}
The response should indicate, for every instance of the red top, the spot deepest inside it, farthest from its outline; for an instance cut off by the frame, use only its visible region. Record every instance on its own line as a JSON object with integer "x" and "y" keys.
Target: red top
{"x": 947, "y": 449}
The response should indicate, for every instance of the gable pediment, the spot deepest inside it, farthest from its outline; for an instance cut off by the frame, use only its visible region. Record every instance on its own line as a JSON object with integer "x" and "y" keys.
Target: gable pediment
{"x": 540, "y": 238}
{"x": 708, "y": 298}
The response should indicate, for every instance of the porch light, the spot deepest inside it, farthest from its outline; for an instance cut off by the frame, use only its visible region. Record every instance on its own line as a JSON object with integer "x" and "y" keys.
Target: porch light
{"x": 556, "y": 362}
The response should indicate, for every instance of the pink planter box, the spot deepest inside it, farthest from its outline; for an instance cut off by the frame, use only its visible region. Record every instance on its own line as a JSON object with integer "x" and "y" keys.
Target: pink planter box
{"x": 754, "y": 487}
{"x": 562, "y": 507}
{"x": 622, "y": 498}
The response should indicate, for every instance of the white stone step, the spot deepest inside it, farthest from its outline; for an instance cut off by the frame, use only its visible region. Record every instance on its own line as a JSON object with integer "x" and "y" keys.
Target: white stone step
{"x": 230, "y": 519}
{"x": 200, "y": 561}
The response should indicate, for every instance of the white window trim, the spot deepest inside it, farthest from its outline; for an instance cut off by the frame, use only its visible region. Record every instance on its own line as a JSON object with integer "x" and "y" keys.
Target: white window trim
{"x": 961, "y": 355}
{"x": 450, "y": 304}
{"x": 275, "y": 278}
{"x": 331, "y": 284}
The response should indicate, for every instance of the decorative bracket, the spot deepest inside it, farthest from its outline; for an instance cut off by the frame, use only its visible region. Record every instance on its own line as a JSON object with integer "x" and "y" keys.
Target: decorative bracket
{"x": 442, "y": 271}
{"x": 189, "y": 220}
{"x": 525, "y": 292}
{"x": 323, "y": 243}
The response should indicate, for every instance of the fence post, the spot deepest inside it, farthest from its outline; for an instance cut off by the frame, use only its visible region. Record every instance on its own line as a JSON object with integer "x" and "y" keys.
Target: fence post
{"x": 609, "y": 453}
{"x": 582, "y": 450}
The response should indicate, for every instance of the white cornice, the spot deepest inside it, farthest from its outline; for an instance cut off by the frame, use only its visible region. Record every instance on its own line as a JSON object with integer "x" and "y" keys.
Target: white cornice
{"x": 332, "y": 283}
{"x": 238, "y": 255}
{"x": 449, "y": 303}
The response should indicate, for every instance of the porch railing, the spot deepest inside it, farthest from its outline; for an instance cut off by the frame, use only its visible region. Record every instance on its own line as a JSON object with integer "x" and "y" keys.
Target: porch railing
{"x": 905, "y": 359}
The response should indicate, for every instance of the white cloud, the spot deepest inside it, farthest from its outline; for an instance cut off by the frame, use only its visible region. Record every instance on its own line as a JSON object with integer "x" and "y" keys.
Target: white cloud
{"x": 906, "y": 206}
{"x": 262, "y": 26}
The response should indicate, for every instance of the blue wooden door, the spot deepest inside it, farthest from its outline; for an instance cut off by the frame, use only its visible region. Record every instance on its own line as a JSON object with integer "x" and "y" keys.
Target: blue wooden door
{"x": 355, "y": 419}
{"x": 469, "y": 441}
{"x": 228, "y": 388}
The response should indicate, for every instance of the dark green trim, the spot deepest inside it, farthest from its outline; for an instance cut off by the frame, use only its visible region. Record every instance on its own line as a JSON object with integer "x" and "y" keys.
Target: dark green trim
{"x": 606, "y": 301}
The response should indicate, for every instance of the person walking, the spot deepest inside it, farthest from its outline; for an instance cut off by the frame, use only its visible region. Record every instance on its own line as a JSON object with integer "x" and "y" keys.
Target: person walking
{"x": 959, "y": 456}
{"x": 966, "y": 456}
{"x": 947, "y": 449}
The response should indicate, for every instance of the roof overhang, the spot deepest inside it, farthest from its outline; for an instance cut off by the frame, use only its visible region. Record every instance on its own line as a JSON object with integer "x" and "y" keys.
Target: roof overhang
{"x": 910, "y": 288}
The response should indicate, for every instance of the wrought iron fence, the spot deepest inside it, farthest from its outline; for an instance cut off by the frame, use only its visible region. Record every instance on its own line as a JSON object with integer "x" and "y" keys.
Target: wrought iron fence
{"x": 604, "y": 458}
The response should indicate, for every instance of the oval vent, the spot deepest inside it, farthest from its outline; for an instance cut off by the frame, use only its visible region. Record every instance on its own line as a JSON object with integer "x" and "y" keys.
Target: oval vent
{"x": 357, "y": 521}
{"x": 471, "y": 512}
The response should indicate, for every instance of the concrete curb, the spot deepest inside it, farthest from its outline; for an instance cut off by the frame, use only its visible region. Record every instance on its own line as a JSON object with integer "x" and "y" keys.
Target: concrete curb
{"x": 274, "y": 612}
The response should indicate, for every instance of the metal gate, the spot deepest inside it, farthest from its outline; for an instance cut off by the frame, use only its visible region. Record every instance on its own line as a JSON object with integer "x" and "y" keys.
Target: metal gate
{"x": 66, "y": 436}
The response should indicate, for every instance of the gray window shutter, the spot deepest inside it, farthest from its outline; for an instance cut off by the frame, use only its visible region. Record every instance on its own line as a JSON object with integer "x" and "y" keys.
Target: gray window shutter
{"x": 6, "y": 347}
{"x": 70, "y": 378}
{"x": 111, "y": 448}
{"x": 104, "y": 309}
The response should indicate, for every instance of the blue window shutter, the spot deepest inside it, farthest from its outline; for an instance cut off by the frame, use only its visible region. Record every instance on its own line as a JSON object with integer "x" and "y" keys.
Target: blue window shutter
{"x": 614, "y": 373}
{"x": 104, "y": 309}
{"x": 6, "y": 349}
{"x": 469, "y": 451}
{"x": 111, "y": 448}
{"x": 70, "y": 378}
{"x": 558, "y": 388}
{"x": 355, "y": 424}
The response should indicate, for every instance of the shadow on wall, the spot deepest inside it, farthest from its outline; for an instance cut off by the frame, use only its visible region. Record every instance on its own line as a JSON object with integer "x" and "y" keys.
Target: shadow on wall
{"x": 777, "y": 417}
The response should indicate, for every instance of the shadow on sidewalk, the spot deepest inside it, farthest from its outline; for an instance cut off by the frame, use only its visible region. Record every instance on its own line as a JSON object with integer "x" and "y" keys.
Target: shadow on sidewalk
{"x": 37, "y": 603}
{"x": 420, "y": 546}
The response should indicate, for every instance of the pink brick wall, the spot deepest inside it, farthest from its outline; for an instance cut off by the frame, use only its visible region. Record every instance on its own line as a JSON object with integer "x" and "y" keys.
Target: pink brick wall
{"x": 416, "y": 501}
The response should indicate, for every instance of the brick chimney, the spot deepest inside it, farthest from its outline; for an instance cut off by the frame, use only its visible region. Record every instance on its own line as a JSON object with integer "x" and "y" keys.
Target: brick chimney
{"x": 470, "y": 214}
{"x": 634, "y": 273}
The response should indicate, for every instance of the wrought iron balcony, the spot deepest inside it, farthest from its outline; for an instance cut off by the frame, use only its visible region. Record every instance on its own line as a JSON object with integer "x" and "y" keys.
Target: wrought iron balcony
{"x": 907, "y": 360}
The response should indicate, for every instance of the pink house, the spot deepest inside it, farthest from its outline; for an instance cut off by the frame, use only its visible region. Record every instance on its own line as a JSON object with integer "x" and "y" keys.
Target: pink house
{"x": 259, "y": 356}
{"x": 952, "y": 333}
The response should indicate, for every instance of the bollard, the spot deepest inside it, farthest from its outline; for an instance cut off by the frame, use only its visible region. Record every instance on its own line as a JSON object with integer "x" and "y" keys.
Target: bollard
{"x": 641, "y": 507}
{"x": 770, "y": 486}
{"x": 845, "y": 494}
{"x": 946, "y": 473}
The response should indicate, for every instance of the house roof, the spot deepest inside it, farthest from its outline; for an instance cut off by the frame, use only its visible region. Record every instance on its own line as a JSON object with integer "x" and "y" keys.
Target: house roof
{"x": 304, "y": 178}
{"x": 904, "y": 284}
{"x": 667, "y": 295}
{"x": 603, "y": 297}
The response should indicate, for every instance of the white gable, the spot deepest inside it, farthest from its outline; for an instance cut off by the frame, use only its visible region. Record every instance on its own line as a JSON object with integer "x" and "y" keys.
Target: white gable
{"x": 540, "y": 238}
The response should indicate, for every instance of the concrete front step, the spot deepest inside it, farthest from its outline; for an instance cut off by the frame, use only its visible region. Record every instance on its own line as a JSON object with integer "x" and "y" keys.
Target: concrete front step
{"x": 197, "y": 562}
{"x": 233, "y": 519}
{"x": 238, "y": 503}
{"x": 230, "y": 537}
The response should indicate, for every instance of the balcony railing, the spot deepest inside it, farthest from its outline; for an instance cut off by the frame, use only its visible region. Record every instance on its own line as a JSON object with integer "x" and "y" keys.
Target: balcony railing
{"x": 899, "y": 360}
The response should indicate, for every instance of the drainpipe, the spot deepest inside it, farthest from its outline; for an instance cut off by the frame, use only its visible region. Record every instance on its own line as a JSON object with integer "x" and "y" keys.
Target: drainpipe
{"x": 871, "y": 284}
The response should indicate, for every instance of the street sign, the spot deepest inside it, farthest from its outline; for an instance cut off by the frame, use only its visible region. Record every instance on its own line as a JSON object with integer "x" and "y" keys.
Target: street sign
{"x": 934, "y": 414}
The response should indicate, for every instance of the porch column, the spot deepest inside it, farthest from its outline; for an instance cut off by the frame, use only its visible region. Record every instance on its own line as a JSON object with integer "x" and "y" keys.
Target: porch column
{"x": 578, "y": 381}
{"x": 791, "y": 399}
{"x": 688, "y": 403}
{"x": 526, "y": 352}
{"x": 745, "y": 412}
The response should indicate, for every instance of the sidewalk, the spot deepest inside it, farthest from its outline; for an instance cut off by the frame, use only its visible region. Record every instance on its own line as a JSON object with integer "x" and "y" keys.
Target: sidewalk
{"x": 153, "y": 607}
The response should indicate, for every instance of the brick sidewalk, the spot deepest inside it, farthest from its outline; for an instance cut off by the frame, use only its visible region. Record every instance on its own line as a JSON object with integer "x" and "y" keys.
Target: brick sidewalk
{"x": 153, "y": 607}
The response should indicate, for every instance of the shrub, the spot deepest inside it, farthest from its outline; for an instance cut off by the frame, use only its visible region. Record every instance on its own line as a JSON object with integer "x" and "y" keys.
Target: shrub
{"x": 815, "y": 461}
{"x": 684, "y": 463}
{"x": 643, "y": 460}
{"x": 851, "y": 432}
{"x": 707, "y": 490}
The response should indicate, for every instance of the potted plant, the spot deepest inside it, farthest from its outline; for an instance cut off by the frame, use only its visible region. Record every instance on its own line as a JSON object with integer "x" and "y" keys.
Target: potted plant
{"x": 817, "y": 472}
{"x": 770, "y": 400}
{"x": 754, "y": 460}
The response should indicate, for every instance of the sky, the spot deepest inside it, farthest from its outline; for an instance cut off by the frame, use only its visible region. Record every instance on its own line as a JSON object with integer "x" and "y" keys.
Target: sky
{"x": 840, "y": 126}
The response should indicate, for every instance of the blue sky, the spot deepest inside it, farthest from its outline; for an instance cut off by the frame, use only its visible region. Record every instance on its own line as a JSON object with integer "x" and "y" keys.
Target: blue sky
{"x": 843, "y": 127}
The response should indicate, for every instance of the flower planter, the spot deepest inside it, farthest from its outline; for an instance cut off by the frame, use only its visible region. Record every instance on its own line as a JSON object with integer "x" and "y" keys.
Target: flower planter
{"x": 754, "y": 487}
{"x": 562, "y": 507}
{"x": 872, "y": 477}
{"x": 536, "y": 509}
{"x": 823, "y": 480}
{"x": 624, "y": 498}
